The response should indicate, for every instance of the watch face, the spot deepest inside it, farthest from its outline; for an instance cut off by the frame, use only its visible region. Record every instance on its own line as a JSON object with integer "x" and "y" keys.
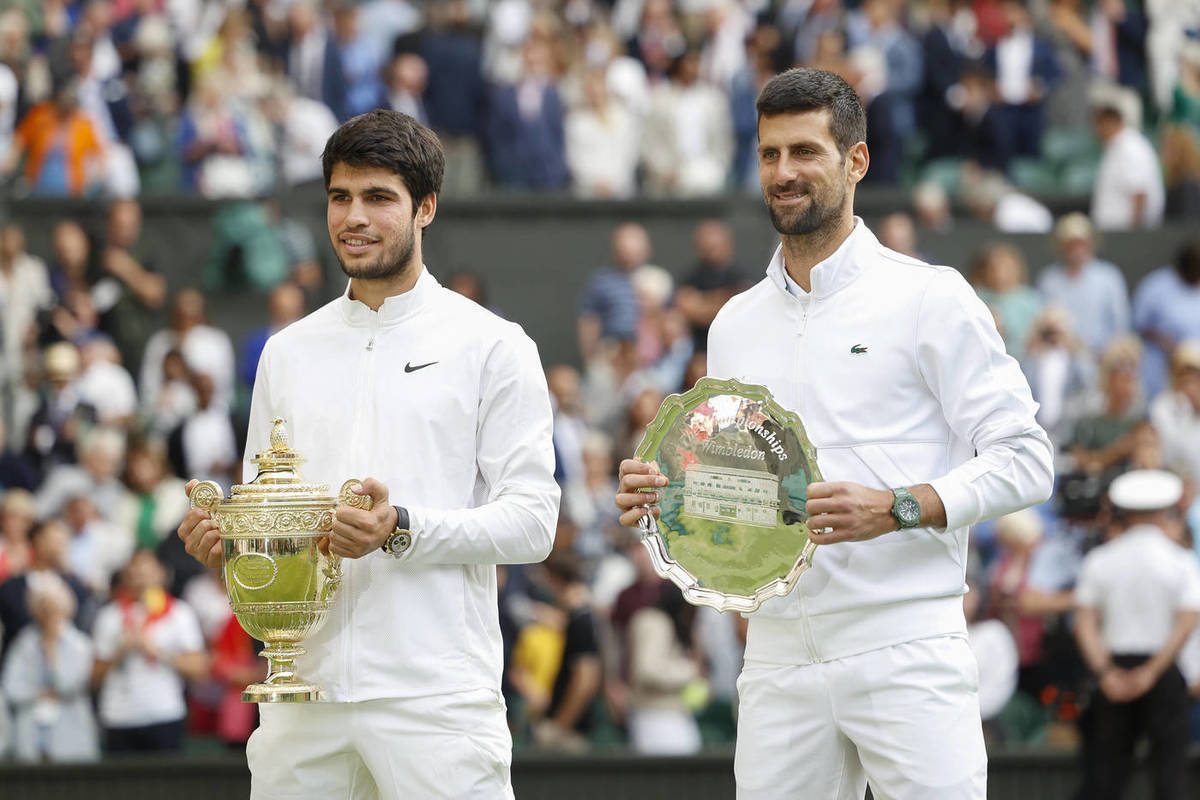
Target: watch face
{"x": 908, "y": 510}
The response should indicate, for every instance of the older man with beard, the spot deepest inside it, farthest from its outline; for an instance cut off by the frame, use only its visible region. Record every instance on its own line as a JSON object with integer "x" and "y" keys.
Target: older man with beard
{"x": 864, "y": 674}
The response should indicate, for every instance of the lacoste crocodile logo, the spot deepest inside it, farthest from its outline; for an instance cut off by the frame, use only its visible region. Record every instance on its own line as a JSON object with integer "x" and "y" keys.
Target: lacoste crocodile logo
{"x": 858, "y": 349}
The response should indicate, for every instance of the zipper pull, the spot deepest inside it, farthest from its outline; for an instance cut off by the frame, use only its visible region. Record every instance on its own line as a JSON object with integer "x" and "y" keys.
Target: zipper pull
{"x": 371, "y": 344}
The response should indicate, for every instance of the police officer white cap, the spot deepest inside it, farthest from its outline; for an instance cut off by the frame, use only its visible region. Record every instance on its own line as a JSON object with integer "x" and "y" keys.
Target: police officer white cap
{"x": 1145, "y": 490}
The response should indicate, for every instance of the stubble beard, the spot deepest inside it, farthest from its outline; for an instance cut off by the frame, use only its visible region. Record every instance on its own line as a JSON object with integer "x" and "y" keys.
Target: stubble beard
{"x": 817, "y": 217}
{"x": 389, "y": 264}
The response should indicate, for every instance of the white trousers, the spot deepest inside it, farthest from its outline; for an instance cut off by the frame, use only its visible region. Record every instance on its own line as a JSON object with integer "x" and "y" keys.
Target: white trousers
{"x": 450, "y": 747}
{"x": 904, "y": 717}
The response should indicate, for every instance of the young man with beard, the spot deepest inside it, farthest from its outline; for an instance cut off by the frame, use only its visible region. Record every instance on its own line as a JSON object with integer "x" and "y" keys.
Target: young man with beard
{"x": 445, "y": 405}
{"x": 923, "y": 426}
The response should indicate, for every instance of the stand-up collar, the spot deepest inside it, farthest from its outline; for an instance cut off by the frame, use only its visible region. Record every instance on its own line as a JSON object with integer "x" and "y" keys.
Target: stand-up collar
{"x": 835, "y": 272}
{"x": 394, "y": 309}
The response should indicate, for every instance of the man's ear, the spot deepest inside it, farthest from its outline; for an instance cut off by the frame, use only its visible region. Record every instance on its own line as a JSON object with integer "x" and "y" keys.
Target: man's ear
{"x": 426, "y": 211}
{"x": 858, "y": 160}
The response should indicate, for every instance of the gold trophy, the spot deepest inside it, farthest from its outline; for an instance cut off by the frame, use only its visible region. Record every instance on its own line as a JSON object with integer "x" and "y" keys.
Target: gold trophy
{"x": 280, "y": 583}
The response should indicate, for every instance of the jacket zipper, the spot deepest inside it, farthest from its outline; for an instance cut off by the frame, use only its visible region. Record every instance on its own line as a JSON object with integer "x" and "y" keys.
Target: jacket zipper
{"x": 805, "y": 312}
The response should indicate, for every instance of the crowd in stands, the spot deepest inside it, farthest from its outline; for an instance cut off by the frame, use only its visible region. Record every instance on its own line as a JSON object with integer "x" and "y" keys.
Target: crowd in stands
{"x": 113, "y": 391}
{"x": 602, "y": 98}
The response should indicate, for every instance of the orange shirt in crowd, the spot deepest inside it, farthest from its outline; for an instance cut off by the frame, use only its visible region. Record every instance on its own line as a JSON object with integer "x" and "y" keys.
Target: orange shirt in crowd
{"x": 44, "y": 128}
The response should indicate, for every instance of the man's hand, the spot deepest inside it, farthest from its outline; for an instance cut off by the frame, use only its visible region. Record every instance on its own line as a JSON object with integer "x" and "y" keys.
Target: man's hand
{"x": 637, "y": 475}
{"x": 853, "y": 512}
{"x": 357, "y": 532}
{"x": 1116, "y": 686}
{"x": 1140, "y": 680}
{"x": 200, "y": 535}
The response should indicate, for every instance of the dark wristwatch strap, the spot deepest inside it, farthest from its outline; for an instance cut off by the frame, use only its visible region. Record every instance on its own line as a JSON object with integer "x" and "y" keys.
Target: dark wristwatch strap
{"x": 401, "y": 523}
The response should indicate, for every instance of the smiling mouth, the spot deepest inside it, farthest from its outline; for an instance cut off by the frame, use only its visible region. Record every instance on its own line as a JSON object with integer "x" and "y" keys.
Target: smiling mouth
{"x": 356, "y": 242}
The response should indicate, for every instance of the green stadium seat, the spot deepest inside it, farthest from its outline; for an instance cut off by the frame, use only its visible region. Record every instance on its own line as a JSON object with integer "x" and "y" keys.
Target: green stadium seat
{"x": 946, "y": 172}
{"x": 1033, "y": 175}
{"x": 1078, "y": 178}
{"x": 1062, "y": 146}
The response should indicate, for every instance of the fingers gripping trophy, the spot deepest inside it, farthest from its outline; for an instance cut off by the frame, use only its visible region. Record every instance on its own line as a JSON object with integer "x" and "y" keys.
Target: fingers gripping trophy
{"x": 276, "y": 563}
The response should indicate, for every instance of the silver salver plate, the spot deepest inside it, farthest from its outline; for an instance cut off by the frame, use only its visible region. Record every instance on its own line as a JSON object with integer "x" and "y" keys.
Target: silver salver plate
{"x": 733, "y": 531}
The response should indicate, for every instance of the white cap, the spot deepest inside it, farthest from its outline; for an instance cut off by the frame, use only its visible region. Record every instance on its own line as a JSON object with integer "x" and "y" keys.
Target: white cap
{"x": 1145, "y": 490}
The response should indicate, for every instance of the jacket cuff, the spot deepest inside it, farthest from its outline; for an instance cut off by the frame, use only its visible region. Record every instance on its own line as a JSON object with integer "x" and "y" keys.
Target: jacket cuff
{"x": 956, "y": 499}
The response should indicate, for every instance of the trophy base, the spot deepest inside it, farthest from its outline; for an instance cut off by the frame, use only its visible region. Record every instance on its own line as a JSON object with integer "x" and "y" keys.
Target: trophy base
{"x": 286, "y": 693}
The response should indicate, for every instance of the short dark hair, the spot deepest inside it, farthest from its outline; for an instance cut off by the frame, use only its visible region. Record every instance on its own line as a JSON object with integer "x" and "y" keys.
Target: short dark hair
{"x": 808, "y": 89}
{"x": 394, "y": 141}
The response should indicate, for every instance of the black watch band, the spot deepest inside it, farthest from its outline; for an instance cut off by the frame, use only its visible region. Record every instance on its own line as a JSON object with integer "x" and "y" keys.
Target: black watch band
{"x": 401, "y": 523}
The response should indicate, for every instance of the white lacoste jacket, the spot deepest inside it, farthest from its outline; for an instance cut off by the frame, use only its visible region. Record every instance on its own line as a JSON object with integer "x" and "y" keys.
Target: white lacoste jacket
{"x": 447, "y": 405}
{"x": 900, "y": 378}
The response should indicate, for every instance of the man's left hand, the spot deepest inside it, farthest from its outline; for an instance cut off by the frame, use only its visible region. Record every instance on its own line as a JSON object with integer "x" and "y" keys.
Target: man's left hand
{"x": 848, "y": 512}
{"x": 357, "y": 532}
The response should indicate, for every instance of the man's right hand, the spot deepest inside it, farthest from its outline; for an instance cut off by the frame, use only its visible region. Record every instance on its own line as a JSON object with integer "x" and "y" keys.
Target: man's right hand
{"x": 200, "y": 535}
{"x": 637, "y": 475}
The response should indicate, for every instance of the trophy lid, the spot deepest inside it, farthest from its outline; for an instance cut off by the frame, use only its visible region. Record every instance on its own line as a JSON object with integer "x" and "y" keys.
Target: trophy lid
{"x": 279, "y": 471}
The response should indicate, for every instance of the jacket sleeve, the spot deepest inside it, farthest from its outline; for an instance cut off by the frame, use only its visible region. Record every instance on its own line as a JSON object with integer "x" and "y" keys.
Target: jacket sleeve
{"x": 515, "y": 458}
{"x": 986, "y": 402}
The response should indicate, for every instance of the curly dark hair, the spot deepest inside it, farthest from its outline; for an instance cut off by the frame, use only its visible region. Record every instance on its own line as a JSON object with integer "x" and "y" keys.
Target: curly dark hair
{"x": 809, "y": 89}
{"x": 395, "y": 141}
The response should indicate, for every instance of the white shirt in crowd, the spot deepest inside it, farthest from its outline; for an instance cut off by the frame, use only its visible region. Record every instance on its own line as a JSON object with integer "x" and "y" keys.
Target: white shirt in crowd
{"x": 1137, "y": 583}
{"x": 109, "y": 389}
{"x": 1178, "y": 426}
{"x": 137, "y": 692}
{"x": 1128, "y": 167}
{"x": 996, "y": 651}
{"x": 205, "y": 349}
{"x": 602, "y": 151}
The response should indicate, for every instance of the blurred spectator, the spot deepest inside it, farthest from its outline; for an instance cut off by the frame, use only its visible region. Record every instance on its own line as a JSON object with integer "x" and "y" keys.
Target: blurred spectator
{"x": 99, "y": 548}
{"x": 570, "y": 432}
{"x": 101, "y": 453}
{"x": 456, "y": 97}
{"x": 213, "y": 143}
{"x": 1092, "y": 291}
{"x": 715, "y": 278}
{"x": 974, "y": 98}
{"x": 525, "y": 138}
{"x": 1128, "y": 193}
{"x": 204, "y": 446}
{"x": 932, "y": 207}
{"x": 45, "y": 677}
{"x": 762, "y": 52}
{"x": 361, "y": 66}
{"x": 1185, "y": 98}
{"x": 897, "y": 232}
{"x": 723, "y": 52}
{"x": 72, "y": 252}
{"x": 1103, "y": 439}
{"x": 995, "y": 651}
{"x": 1166, "y": 311}
{"x": 994, "y": 200}
{"x": 1119, "y": 43}
{"x": 102, "y": 94}
{"x": 285, "y": 305}
{"x": 129, "y": 291}
{"x": 807, "y": 21}
{"x": 16, "y": 521}
{"x": 204, "y": 348}
{"x": 105, "y": 386}
{"x": 1025, "y": 70}
{"x": 1018, "y": 536}
{"x": 16, "y": 469}
{"x": 176, "y": 400}
{"x": 661, "y": 665}
{"x": 577, "y": 685}
{"x": 314, "y": 56}
{"x": 1179, "y": 149}
{"x": 154, "y": 501}
{"x": 687, "y": 146}
{"x": 601, "y": 142}
{"x": 658, "y": 41}
{"x": 1175, "y": 413}
{"x": 383, "y": 22}
{"x": 947, "y": 46}
{"x": 1070, "y": 32}
{"x": 1001, "y": 280}
{"x": 24, "y": 294}
{"x": 1137, "y": 602}
{"x": 1060, "y": 369}
{"x": 49, "y": 542}
{"x": 891, "y": 62}
{"x": 54, "y": 427}
{"x": 147, "y": 644}
{"x": 61, "y": 148}
{"x": 302, "y": 126}
{"x": 608, "y": 307}
{"x": 407, "y": 78}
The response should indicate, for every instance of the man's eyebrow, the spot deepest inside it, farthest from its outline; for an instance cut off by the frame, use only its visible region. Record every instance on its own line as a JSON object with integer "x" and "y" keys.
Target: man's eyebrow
{"x": 368, "y": 190}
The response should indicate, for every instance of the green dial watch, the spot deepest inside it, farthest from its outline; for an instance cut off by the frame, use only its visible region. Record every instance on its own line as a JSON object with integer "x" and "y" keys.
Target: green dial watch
{"x": 906, "y": 509}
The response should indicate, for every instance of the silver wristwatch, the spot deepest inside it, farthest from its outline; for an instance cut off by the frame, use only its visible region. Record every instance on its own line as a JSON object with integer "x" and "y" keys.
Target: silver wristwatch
{"x": 400, "y": 540}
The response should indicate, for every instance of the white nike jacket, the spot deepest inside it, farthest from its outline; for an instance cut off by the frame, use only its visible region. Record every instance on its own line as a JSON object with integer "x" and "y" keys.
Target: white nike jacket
{"x": 900, "y": 378}
{"x": 446, "y": 404}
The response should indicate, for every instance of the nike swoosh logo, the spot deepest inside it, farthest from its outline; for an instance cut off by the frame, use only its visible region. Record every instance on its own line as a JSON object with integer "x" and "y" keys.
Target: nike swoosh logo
{"x": 410, "y": 368}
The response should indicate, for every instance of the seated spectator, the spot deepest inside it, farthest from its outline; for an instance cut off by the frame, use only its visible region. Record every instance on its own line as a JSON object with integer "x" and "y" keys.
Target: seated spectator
{"x": 16, "y": 469}
{"x": 285, "y": 305}
{"x": 1018, "y": 535}
{"x": 608, "y": 306}
{"x": 53, "y": 430}
{"x": 1103, "y": 439}
{"x": 49, "y": 543}
{"x": 601, "y": 143}
{"x": 204, "y": 446}
{"x": 1060, "y": 370}
{"x": 204, "y": 348}
{"x": 687, "y": 146}
{"x": 1001, "y": 280}
{"x": 1128, "y": 193}
{"x": 994, "y": 200}
{"x": 61, "y": 148}
{"x": 72, "y": 252}
{"x": 105, "y": 386}
{"x": 97, "y": 475}
{"x": 995, "y": 651}
{"x": 176, "y": 400}
{"x": 715, "y": 278}
{"x": 897, "y": 232}
{"x": 1175, "y": 413}
{"x": 24, "y": 294}
{"x": 99, "y": 548}
{"x": 1179, "y": 148}
{"x": 154, "y": 501}
{"x": 661, "y": 665}
{"x": 148, "y": 644}
{"x": 46, "y": 676}
{"x": 16, "y": 521}
{"x": 1093, "y": 291}
{"x": 1166, "y": 311}
{"x": 302, "y": 126}
{"x": 525, "y": 138}
{"x": 213, "y": 144}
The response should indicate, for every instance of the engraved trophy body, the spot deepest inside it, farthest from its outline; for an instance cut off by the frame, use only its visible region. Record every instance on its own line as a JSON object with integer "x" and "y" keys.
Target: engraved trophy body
{"x": 280, "y": 582}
